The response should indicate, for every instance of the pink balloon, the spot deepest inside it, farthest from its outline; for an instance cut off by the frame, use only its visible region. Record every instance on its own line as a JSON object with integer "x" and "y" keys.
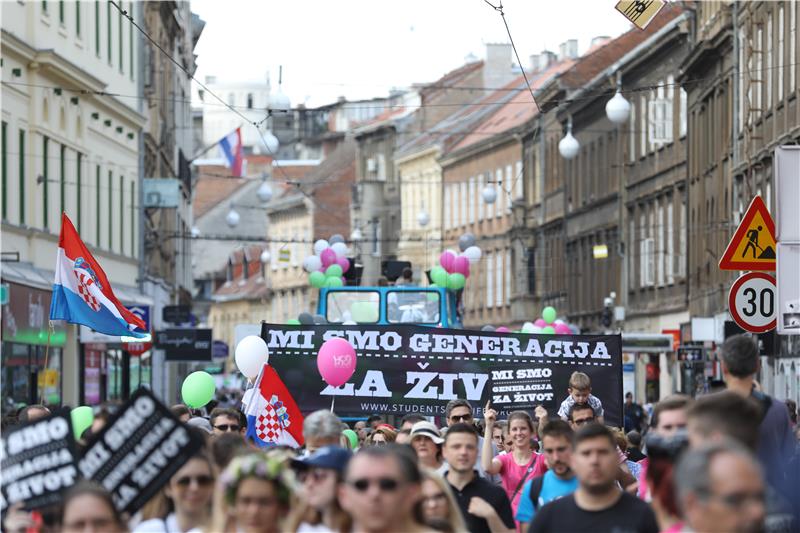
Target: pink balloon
{"x": 446, "y": 260}
{"x": 563, "y": 329}
{"x": 328, "y": 257}
{"x": 344, "y": 263}
{"x": 540, "y": 322}
{"x": 461, "y": 265}
{"x": 336, "y": 361}
{"x": 502, "y": 329}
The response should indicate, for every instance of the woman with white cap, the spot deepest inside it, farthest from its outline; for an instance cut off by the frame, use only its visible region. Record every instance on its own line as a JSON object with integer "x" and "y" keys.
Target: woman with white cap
{"x": 426, "y": 439}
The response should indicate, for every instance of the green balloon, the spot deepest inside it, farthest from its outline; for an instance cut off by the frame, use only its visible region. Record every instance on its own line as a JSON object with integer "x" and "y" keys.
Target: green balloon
{"x": 456, "y": 281}
{"x": 548, "y": 330}
{"x": 198, "y": 389}
{"x": 549, "y": 314}
{"x": 317, "y": 279}
{"x": 334, "y": 271}
{"x": 439, "y": 276}
{"x": 333, "y": 282}
{"x": 82, "y": 418}
{"x": 351, "y": 437}
{"x": 292, "y": 322}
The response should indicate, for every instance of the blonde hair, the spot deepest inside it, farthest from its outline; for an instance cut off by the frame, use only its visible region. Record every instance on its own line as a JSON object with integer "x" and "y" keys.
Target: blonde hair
{"x": 580, "y": 381}
{"x": 271, "y": 466}
{"x": 454, "y": 517}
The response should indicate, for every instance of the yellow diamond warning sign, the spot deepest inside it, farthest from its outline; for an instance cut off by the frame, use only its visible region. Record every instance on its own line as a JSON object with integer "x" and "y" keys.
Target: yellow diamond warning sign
{"x": 753, "y": 245}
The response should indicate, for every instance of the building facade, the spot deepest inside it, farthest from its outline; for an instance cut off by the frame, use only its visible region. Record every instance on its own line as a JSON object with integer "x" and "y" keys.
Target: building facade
{"x": 67, "y": 148}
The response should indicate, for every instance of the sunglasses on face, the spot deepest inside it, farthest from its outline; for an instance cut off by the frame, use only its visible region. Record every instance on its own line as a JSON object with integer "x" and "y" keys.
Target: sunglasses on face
{"x": 386, "y": 484}
{"x": 202, "y": 481}
{"x": 227, "y": 427}
{"x": 461, "y": 418}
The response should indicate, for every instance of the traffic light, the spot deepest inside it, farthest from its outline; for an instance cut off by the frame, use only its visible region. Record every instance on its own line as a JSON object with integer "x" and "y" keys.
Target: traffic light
{"x": 607, "y": 317}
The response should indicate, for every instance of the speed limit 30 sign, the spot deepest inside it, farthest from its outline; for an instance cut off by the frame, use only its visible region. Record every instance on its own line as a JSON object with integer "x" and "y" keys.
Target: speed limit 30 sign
{"x": 752, "y": 302}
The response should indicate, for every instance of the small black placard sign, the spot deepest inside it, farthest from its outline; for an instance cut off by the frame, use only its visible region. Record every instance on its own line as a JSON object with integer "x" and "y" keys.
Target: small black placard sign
{"x": 38, "y": 461}
{"x": 137, "y": 452}
{"x": 185, "y": 344}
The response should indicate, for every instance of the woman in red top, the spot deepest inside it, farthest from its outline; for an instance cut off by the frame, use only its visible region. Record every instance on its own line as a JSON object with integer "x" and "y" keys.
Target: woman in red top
{"x": 518, "y": 466}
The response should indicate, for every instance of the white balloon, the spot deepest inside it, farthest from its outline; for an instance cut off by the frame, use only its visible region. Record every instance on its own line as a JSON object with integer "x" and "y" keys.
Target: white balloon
{"x": 312, "y": 263}
{"x": 473, "y": 254}
{"x": 536, "y": 329}
{"x": 558, "y": 321}
{"x": 250, "y": 355}
{"x": 527, "y": 327}
{"x": 340, "y": 248}
{"x": 320, "y": 245}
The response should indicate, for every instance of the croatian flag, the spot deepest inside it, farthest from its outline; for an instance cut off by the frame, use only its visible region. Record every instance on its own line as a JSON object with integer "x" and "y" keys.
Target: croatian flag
{"x": 232, "y": 150}
{"x": 273, "y": 418}
{"x": 82, "y": 293}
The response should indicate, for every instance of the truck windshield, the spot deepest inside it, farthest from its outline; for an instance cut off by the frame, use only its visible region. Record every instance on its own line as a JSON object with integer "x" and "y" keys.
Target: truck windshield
{"x": 413, "y": 307}
{"x": 361, "y": 307}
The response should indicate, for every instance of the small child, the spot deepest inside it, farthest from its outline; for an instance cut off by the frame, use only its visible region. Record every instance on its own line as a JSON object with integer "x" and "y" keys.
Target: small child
{"x": 580, "y": 392}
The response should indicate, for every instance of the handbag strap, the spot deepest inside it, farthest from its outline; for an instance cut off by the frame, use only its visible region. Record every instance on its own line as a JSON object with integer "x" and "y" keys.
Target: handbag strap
{"x": 524, "y": 477}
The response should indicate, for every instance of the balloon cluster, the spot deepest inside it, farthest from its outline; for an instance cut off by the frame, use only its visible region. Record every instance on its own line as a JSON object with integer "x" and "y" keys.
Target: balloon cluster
{"x": 453, "y": 269}
{"x": 327, "y": 266}
{"x": 547, "y": 324}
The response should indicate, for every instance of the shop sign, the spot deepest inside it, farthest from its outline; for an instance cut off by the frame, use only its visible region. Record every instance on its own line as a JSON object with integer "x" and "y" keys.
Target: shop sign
{"x": 25, "y": 317}
{"x": 184, "y": 344}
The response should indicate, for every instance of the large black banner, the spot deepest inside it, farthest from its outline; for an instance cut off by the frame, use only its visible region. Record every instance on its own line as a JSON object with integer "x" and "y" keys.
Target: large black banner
{"x": 137, "y": 452}
{"x": 38, "y": 461}
{"x": 417, "y": 369}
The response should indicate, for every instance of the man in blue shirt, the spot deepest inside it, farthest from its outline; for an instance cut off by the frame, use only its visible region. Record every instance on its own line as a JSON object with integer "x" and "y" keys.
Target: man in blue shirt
{"x": 558, "y": 481}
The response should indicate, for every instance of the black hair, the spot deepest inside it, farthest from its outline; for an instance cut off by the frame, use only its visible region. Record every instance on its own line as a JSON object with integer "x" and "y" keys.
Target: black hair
{"x": 373, "y": 418}
{"x": 634, "y": 439}
{"x": 593, "y": 431}
{"x": 740, "y": 355}
{"x": 227, "y": 412}
{"x": 579, "y": 407}
{"x": 227, "y": 446}
{"x": 461, "y": 427}
{"x": 413, "y": 418}
{"x": 557, "y": 428}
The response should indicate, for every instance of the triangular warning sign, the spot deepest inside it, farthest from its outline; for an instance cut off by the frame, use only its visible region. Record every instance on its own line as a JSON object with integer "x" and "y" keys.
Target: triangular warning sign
{"x": 753, "y": 245}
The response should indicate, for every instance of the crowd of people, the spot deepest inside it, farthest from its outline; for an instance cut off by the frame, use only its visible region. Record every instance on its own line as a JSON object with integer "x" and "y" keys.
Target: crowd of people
{"x": 725, "y": 461}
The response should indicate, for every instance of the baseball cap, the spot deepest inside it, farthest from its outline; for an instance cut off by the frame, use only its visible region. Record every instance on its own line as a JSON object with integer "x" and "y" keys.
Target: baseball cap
{"x": 331, "y": 457}
{"x": 426, "y": 429}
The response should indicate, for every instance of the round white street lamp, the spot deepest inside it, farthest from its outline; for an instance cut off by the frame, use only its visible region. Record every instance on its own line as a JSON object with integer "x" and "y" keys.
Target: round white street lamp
{"x": 569, "y": 146}
{"x": 270, "y": 142}
{"x": 232, "y": 218}
{"x": 423, "y": 218}
{"x": 618, "y": 109}
{"x": 356, "y": 235}
{"x": 489, "y": 194}
{"x": 265, "y": 257}
{"x": 264, "y": 192}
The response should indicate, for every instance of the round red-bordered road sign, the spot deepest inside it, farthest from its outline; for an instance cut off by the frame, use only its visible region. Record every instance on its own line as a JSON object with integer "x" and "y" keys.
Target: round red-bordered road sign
{"x": 752, "y": 302}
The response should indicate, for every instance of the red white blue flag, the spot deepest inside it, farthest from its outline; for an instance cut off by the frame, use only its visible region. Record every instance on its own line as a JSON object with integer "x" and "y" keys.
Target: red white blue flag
{"x": 233, "y": 151}
{"x": 273, "y": 417}
{"x": 82, "y": 293}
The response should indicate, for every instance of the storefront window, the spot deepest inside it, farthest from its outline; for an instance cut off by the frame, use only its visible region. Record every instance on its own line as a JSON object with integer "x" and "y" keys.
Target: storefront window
{"x": 114, "y": 374}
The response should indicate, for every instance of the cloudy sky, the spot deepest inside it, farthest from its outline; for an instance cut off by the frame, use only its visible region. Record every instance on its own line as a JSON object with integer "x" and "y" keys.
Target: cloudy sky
{"x": 362, "y": 48}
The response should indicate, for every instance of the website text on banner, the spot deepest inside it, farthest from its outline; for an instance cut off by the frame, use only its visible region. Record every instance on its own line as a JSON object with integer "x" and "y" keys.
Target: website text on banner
{"x": 416, "y": 369}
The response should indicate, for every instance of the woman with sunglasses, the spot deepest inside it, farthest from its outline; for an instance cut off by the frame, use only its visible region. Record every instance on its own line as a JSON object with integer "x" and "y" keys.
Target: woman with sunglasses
{"x": 185, "y": 502}
{"x": 253, "y": 494}
{"x": 321, "y": 475}
{"x": 438, "y": 506}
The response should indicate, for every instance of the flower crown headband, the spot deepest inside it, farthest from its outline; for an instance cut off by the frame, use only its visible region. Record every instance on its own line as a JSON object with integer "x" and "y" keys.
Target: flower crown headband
{"x": 264, "y": 466}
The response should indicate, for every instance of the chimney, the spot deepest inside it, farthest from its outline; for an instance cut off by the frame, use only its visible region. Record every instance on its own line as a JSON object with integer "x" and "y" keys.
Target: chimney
{"x": 600, "y": 39}
{"x": 497, "y": 68}
{"x": 568, "y": 49}
{"x": 546, "y": 58}
{"x": 535, "y": 62}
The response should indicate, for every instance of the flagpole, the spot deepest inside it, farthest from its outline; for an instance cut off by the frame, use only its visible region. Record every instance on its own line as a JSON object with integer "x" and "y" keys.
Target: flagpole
{"x": 333, "y": 401}
{"x": 46, "y": 360}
